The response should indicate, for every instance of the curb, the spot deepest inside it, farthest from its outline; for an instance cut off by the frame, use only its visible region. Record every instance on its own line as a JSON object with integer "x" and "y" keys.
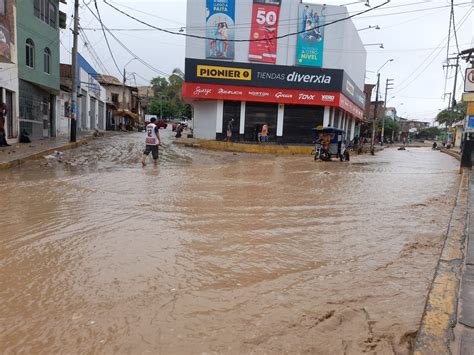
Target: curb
{"x": 440, "y": 314}
{"x": 39, "y": 155}
{"x": 451, "y": 153}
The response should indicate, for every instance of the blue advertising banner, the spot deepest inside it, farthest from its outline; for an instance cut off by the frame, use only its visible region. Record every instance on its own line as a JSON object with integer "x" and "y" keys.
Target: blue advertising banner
{"x": 220, "y": 21}
{"x": 310, "y": 43}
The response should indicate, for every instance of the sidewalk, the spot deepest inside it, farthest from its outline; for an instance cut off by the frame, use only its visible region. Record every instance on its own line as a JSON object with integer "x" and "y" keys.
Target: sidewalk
{"x": 19, "y": 153}
{"x": 464, "y": 331}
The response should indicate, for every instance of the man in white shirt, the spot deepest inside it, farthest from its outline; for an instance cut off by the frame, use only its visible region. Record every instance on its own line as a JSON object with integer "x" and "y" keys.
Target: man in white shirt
{"x": 152, "y": 141}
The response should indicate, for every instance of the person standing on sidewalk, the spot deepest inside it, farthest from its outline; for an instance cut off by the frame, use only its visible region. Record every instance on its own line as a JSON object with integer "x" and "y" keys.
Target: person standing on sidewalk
{"x": 230, "y": 128}
{"x": 3, "y": 133}
{"x": 152, "y": 140}
{"x": 265, "y": 133}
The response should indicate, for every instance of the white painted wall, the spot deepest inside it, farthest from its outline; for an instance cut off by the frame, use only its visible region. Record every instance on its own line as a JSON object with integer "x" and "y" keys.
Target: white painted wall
{"x": 343, "y": 46}
{"x": 207, "y": 113}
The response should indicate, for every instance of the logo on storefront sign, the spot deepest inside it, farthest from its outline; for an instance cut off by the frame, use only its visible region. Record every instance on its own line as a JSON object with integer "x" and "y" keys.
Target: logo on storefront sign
{"x": 281, "y": 95}
{"x": 350, "y": 88}
{"x": 214, "y": 72}
{"x": 229, "y": 92}
{"x": 306, "y": 97}
{"x": 328, "y": 98}
{"x": 259, "y": 93}
{"x": 201, "y": 92}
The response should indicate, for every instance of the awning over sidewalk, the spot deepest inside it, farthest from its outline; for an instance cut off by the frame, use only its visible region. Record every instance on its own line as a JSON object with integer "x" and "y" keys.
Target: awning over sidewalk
{"x": 127, "y": 114}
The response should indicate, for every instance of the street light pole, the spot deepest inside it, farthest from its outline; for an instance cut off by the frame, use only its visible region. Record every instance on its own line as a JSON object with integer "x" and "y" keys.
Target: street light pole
{"x": 124, "y": 80}
{"x": 73, "y": 136}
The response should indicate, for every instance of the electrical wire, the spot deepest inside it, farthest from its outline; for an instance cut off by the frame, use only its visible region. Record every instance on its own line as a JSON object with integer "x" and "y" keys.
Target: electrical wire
{"x": 105, "y": 35}
{"x": 440, "y": 47}
{"x": 242, "y": 40}
{"x": 149, "y": 66}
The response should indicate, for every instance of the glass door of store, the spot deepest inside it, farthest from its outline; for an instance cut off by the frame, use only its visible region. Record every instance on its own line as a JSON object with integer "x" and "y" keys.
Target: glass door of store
{"x": 256, "y": 115}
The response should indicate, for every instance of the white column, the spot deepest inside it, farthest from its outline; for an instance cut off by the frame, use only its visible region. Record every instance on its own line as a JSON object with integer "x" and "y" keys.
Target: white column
{"x": 220, "y": 116}
{"x": 353, "y": 128}
{"x": 341, "y": 116}
{"x": 243, "y": 105}
{"x": 327, "y": 116}
{"x": 281, "y": 115}
{"x": 88, "y": 111}
{"x": 96, "y": 118}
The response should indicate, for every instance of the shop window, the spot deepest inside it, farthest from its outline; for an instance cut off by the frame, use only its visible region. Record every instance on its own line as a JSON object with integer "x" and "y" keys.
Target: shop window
{"x": 30, "y": 53}
{"x": 47, "y": 61}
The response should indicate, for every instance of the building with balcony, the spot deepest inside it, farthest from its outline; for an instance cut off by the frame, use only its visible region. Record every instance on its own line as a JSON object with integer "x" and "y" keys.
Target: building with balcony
{"x": 123, "y": 103}
{"x": 38, "y": 27}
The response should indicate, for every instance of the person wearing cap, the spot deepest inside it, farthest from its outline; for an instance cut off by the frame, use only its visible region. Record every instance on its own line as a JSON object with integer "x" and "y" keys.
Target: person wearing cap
{"x": 152, "y": 141}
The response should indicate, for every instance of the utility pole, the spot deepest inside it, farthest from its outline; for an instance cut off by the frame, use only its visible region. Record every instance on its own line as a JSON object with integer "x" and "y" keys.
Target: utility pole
{"x": 123, "y": 89}
{"x": 74, "y": 73}
{"x": 454, "y": 103}
{"x": 388, "y": 86}
{"x": 376, "y": 106}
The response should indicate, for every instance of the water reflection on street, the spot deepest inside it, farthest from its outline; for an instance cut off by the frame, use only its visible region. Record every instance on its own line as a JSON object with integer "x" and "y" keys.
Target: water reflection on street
{"x": 214, "y": 252}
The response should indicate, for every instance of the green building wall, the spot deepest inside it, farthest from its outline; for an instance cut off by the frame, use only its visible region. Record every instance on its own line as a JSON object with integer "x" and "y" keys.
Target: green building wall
{"x": 43, "y": 35}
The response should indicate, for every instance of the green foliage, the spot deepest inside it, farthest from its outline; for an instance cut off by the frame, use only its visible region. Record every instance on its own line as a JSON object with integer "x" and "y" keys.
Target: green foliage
{"x": 449, "y": 116}
{"x": 391, "y": 126}
{"x": 429, "y": 133}
{"x": 168, "y": 96}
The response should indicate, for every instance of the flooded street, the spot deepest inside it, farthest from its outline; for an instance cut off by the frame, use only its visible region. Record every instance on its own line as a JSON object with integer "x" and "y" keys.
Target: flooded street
{"x": 214, "y": 252}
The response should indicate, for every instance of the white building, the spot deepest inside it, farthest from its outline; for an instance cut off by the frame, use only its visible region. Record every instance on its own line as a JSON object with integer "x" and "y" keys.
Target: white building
{"x": 314, "y": 76}
{"x": 91, "y": 99}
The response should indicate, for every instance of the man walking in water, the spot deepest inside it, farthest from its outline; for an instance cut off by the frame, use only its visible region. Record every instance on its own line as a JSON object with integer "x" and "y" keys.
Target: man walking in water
{"x": 152, "y": 140}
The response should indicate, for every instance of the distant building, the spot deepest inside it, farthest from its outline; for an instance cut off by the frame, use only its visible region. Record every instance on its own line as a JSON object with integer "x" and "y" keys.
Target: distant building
{"x": 391, "y": 112}
{"x": 9, "y": 67}
{"x": 38, "y": 24}
{"x": 123, "y": 103}
{"x": 91, "y": 100}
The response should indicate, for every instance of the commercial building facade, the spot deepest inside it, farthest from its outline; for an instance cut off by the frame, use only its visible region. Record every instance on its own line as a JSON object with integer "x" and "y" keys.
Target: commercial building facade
{"x": 38, "y": 26}
{"x": 310, "y": 75}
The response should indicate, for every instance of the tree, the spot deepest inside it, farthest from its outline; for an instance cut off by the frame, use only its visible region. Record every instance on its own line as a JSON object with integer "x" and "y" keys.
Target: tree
{"x": 449, "y": 116}
{"x": 168, "y": 96}
{"x": 429, "y": 133}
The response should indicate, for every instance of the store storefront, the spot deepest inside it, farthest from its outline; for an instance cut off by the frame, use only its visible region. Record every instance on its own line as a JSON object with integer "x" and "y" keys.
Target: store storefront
{"x": 290, "y": 100}
{"x": 243, "y": 64}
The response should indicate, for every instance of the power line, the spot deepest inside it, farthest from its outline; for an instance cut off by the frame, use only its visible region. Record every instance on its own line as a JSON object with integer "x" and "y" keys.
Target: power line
{"x": 149, "y": 66}
{"x": 103, "y": 31}
{"x": 439, "y": 48}
{"x": 241, "y": 40}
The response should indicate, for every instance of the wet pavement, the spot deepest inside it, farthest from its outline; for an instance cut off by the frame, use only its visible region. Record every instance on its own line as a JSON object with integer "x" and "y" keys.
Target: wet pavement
{"x": 214, "y": 252}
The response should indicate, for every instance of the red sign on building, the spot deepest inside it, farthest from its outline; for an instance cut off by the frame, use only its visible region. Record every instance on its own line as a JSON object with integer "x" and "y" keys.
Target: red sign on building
{"x": 283, "y": 96}
{"x": 263, "y": 45}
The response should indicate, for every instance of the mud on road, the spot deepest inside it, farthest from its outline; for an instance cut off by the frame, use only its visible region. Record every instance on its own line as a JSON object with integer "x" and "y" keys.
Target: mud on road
{"x": 214, "y": 252}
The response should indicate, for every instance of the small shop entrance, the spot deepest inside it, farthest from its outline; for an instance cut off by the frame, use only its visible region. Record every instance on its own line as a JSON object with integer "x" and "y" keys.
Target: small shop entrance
{"x": 256, "y": 115}
{"x": 231, "y": 111}
{"x": 299, "y": 121}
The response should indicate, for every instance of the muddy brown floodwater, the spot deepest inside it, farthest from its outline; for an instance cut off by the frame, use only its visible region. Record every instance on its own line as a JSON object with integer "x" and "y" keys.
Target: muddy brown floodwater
{"x": 216, "y": 252}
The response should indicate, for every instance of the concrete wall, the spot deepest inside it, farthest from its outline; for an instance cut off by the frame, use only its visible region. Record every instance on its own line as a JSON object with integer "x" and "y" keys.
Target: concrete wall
{"x": 343, "y": 46}
{"x": 205, "y": 126}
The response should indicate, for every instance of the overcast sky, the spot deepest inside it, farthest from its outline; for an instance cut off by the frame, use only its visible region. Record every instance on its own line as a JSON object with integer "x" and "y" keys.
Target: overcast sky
{"x": 413, "y": 33}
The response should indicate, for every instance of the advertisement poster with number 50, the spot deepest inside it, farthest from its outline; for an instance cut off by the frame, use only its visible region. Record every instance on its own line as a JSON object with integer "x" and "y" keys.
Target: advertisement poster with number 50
{"x": 265, "y": 15}
{"x": 220, "y": 18}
